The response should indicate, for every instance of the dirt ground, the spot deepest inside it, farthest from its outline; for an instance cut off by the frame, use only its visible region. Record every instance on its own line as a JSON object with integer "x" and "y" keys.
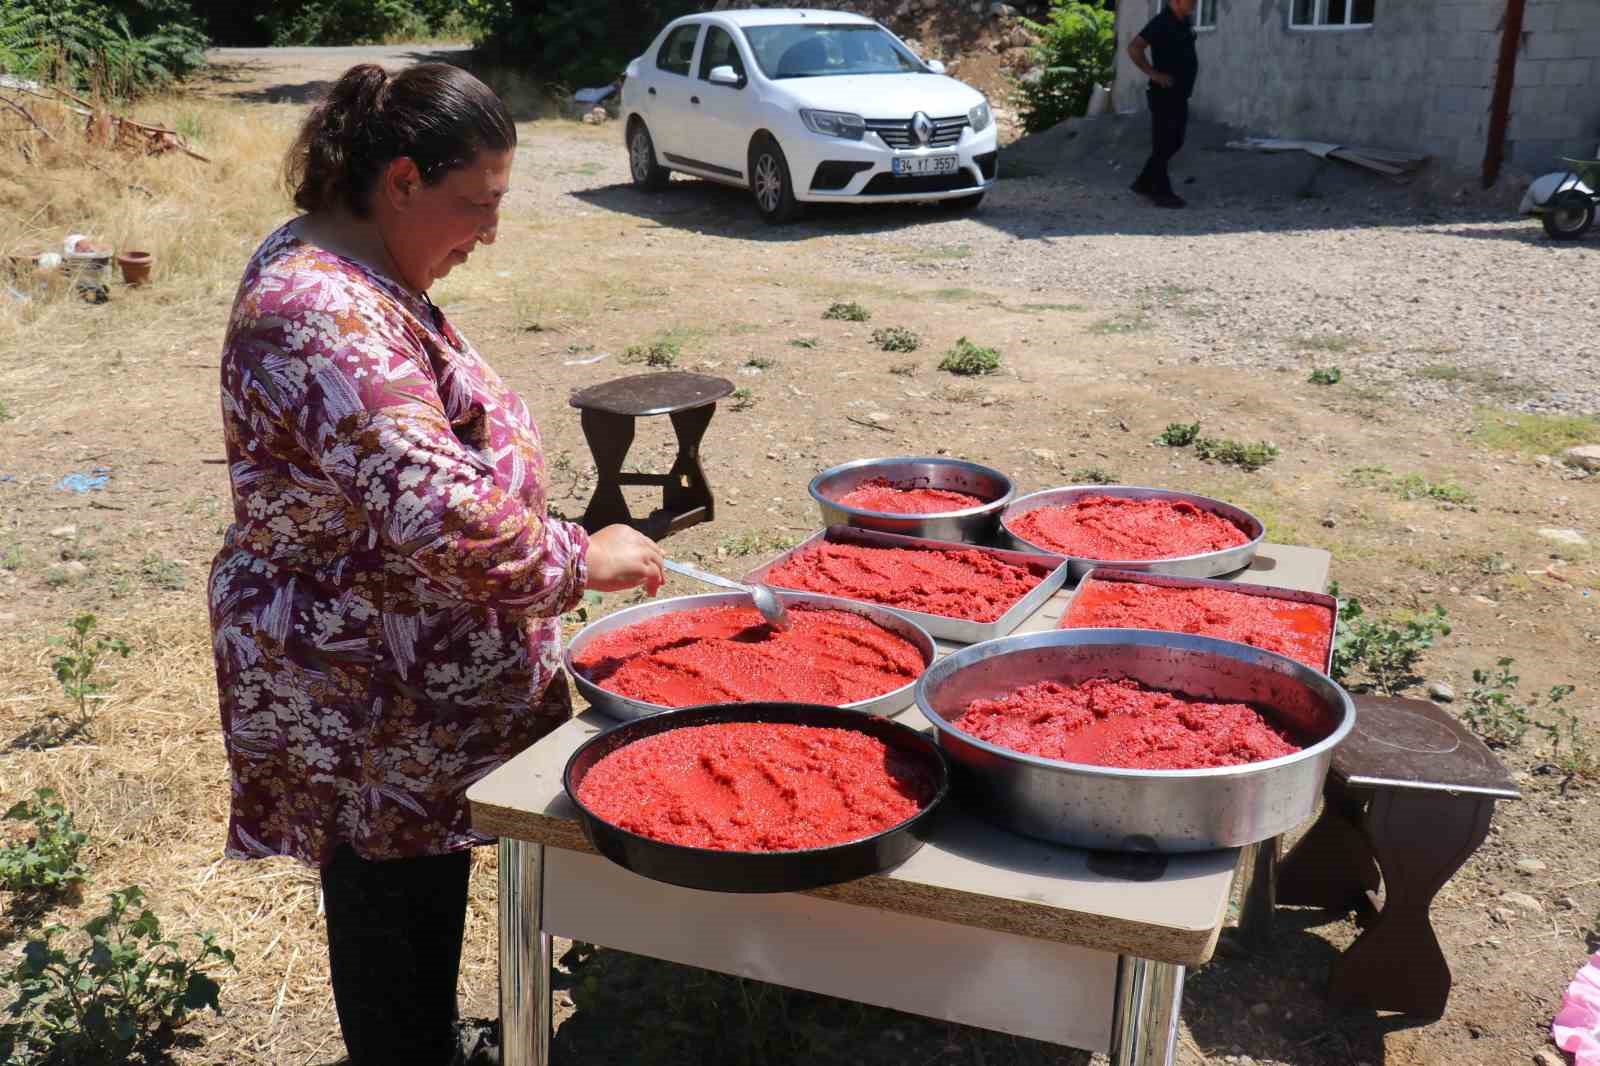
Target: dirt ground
{"x": 1111, "y": 322}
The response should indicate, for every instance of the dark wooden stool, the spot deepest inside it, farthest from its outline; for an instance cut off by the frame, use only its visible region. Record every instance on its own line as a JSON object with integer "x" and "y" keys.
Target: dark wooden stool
{"x": 608, "y": 410}
{"x": 1408, "y": 800}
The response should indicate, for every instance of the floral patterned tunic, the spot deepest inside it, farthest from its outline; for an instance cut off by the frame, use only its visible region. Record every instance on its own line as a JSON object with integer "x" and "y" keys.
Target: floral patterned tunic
{"x": 385, "y": 607}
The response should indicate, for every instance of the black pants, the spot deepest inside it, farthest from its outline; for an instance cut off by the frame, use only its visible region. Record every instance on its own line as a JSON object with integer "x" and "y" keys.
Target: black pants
{"x": 1169, "y": 120}
{"x": 394, "y": 947}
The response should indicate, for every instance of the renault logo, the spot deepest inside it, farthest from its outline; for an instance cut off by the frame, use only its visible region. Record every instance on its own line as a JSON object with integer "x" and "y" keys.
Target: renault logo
{"x": 922, "y": 127}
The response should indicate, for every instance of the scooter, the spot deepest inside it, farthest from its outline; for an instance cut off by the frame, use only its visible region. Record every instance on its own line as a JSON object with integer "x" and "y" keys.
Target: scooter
{"x": 1566, "y": 201}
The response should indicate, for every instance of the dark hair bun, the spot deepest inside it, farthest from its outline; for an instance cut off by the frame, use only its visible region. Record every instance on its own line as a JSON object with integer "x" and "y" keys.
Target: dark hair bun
{"x": 435, "y": 114}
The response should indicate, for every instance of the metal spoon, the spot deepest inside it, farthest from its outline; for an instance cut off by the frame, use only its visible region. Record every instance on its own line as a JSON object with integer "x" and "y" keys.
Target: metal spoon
{"x": 769, "y": 605}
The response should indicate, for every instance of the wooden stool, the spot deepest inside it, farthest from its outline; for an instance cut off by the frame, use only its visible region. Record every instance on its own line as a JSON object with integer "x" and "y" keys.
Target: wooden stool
{"x": 1408, "y": 800}
{"x": 608, "y": 410}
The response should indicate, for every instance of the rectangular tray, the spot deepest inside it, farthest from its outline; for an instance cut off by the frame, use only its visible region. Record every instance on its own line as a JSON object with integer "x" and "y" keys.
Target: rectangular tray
{"x": 1271, "y": 592}
{"x": 941, "y": 627}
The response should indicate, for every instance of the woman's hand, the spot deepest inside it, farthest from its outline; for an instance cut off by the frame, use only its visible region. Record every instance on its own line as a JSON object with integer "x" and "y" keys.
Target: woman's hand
{"x": 620, "y": 557}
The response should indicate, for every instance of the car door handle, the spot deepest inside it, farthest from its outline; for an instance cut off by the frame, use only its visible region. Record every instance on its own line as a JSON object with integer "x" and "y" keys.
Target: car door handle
{"x": 652, "y": 91}
{"x": 694, "y": 99}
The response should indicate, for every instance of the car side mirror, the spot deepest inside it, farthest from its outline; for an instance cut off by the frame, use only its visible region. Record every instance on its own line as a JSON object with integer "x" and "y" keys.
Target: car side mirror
{"x": 725, "y": 76}
{"x": 935, "y": 67}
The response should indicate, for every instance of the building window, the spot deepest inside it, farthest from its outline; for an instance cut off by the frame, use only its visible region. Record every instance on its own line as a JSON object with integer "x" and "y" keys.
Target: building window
{"x": 1205, "y": 15}
{"x": 1330, "y": 14}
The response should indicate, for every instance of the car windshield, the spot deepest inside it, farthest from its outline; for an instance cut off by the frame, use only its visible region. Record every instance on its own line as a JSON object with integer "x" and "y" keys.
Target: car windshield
{"x": 819, "y": 51}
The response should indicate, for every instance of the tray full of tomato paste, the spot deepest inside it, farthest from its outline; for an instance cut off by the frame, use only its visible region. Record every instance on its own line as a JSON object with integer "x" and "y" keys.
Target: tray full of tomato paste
{"x": 954, "y": 596}
{"x": 915, "y": 496}
{"x": 1131, "y": 527}
{"x": 757, "y": 797}
{"x": 1302, "y": 625}
{"x": 1134, "y": 739}
{"x": 716, "y": 648}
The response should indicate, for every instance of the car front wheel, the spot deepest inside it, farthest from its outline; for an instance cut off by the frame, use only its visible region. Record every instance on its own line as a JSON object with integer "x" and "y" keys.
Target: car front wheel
{"x": 770, "y": 183}
{"x": 647, "y": 173}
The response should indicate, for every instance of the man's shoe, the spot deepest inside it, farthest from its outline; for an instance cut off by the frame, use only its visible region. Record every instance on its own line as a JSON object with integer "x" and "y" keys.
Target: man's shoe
{"x": 1139, "y": 186}
{"x": 1170, "y": 199}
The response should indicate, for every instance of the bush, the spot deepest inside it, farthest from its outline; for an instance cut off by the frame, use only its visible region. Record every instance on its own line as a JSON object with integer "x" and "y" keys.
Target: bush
{"x": 1179, "y": 434}
{"x": 1247, "y": 456}
{"x": 47, "y": 863}
{"x": 580, "y": 42}
{"x": 847, "y": 312}
{"x": 970, "y": 359}
{"x": 334, "y": 22}
{"x": 90, "y": 46}
{"x": 896, "y": 339}
{"x": 1077, "y": 52}
{"x": 126, "y": 990}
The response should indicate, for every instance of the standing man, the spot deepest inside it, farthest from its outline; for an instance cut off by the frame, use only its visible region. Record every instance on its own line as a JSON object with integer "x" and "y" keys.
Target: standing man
{"x": 1164, "y": 50}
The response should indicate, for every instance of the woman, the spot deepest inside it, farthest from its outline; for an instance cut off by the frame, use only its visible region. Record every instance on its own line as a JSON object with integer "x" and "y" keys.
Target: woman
{"x": 386, "y": 605}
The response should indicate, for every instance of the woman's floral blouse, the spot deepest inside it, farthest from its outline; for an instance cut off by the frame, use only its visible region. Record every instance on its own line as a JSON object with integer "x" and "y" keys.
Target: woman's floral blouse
{"x": 385, "y": 608}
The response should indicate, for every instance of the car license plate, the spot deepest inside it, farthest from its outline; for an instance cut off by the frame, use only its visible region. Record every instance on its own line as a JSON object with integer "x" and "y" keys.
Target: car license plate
{"x": 919, "y": 165}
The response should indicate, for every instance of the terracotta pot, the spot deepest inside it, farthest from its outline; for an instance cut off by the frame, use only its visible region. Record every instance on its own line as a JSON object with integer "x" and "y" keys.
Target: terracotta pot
{"x": 135, "y": 267}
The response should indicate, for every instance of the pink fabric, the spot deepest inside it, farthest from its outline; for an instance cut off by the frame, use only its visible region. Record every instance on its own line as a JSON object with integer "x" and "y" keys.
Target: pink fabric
{"x": 1576, "y": 1028}
{"x": 385, "y": 607}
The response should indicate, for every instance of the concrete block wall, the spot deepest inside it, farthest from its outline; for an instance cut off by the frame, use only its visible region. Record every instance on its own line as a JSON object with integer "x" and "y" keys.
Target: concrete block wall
{"x": 1555, "y": 101}
{"x": 1421, "y": 77}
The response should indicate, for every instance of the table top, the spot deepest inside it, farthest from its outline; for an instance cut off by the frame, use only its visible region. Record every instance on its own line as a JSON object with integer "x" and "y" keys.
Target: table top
{"x": 1414, "y": 745}
{"x": 652, "y": 394}
{"x": 1167, "y": 908}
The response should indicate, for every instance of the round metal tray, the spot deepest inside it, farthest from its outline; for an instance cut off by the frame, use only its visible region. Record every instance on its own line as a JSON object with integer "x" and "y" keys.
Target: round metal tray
{"x": 626, "y": 708}
{"x": 759, "y": 871}
{"x": 1139, "y": 810}
{"x": 974, "y": 525}
{"x": 1206, "y": 564}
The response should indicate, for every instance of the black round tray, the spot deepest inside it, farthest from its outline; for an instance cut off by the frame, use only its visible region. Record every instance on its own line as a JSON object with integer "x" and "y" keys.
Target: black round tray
{"x": 759, "y": 871}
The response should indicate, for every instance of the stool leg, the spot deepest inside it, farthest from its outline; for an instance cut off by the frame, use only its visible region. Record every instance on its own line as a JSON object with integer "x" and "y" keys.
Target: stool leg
{"x": 688, "y": 489}
{"x": 1332, "y": 865}
{"x": 1144, "y": 1023}
{"x": 1420, "y": 840}
{"x": 609, "y": 436}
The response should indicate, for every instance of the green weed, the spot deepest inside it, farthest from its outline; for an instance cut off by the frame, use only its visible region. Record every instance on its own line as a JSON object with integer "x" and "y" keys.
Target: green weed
{"x": 896, "y": 339}
{"x": 75, "y": 667}
{"x": 1384, "y": 651}
{"x": 743, "y": 399}
{"x": 1093, "y": 475}
{"x": 47, "y": 863}
{"x": 1245, "y": 455}
{"x": 761, "y": 362}
{"x": 805, "y": 342}
{"x": 1495, "y": 711}
{"x": 969, "y": 359}
{"x": 1179, "y": 434}
{"x": 847, "y": 312}
{"x": 1327, "y": 375}
{"x": 165, "y": 574}
{"x": 1534, "y": 433}
{"x": 661, "y": 353}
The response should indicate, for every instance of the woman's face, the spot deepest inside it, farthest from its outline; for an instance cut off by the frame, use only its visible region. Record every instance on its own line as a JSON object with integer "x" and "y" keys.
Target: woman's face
{"x": 431, "y": 229}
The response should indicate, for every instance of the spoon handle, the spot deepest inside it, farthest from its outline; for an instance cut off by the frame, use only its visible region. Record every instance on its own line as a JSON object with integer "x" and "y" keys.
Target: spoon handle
{"x": 701, "y": 575}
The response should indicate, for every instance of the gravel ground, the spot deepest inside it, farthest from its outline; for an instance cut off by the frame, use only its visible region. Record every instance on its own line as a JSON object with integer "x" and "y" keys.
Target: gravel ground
{"x": 1437, "y": 304}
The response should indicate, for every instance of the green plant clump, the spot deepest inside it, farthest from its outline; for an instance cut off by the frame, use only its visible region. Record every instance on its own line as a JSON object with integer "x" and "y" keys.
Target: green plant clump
{"x": 1076, "y": 52}
{"x": 661, "y": 353}
{"x": 1326, "y": 375}
{"x": 1093, "y": 475}
{"x": 1385, "y": 651}
{"x": 75, "y": 666}
{"x": 126, "y": 990}
{"x": 88, "y": 45}
{"x": 1247, "y": 456}
{"x": 896, "y": 339}
{"x": 1179, "y": 434}
{"x": 970, "y": 360}
{"x": 1494, "y": 711}
{"x": 743, "y": 399}
{"x": 46, "y": 864}
{"x": 847, "y": 312}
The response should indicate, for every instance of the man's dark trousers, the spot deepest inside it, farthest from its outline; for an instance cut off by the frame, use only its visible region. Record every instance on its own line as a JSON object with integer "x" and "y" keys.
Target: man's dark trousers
{"x": 1169, "y": 119}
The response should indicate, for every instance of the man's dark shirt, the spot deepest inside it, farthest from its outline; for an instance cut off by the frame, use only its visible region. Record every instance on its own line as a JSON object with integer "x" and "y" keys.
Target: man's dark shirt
{"x": 1171, "y": 41}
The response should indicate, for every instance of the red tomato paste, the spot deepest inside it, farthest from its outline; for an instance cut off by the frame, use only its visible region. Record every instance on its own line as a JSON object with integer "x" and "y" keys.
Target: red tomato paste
{"x": 881, "y": 494}
{"x": 756, "y": 786}
{"x": 959, "y": 583}
{"x": 1302, "y": 631}
{"x": 1116, "y": 527}
{"x": 1119, "y": 722}
{"x": 729, "y": 655}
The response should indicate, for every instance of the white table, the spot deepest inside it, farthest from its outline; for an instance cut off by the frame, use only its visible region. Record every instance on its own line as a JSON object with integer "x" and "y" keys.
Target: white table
{"x": 980, "y": 926}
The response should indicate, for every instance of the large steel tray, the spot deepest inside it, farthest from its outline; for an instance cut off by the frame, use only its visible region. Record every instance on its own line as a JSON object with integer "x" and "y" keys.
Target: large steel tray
{"x": 1139, "y": 810}
{"x": 626, "y": 709}
{"x": 942, "y": 627}
{"x": 1270, "y": 592}
{"x": 1205, "y": 564}
{"x": 974, "y": 525}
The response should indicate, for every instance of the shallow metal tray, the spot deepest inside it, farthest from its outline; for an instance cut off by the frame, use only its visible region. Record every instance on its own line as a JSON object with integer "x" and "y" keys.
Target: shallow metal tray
{"x": 626, "y": 709}
{"x": 1270, "y": 592}
{"x": 1205, "y": 564}
{"x": 975, "y": 525}
{"x": 942, "y": 627}
{"x": 1139, "y": 810}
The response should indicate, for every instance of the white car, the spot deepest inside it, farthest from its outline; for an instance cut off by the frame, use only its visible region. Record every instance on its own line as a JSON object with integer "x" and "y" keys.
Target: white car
{"x": 804, "y": 107}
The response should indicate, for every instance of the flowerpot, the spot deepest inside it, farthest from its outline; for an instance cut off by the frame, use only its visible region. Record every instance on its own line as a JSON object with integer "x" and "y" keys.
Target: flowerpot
{"x": 135, "y": 267}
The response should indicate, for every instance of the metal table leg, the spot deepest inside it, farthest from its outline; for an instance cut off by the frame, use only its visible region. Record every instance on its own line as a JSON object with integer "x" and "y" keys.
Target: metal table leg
{"x": 1144, "y": 1023}
{"x": 525, "y": 1008}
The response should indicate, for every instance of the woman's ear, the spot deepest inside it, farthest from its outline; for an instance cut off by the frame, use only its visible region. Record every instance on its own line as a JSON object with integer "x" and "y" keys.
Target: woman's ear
{"x": 401, "y": 182}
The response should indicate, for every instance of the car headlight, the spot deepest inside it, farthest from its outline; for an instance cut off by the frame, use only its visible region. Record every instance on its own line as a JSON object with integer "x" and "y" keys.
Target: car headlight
{"x": 834, "y": 123}
{"x": 979, "y": 117}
